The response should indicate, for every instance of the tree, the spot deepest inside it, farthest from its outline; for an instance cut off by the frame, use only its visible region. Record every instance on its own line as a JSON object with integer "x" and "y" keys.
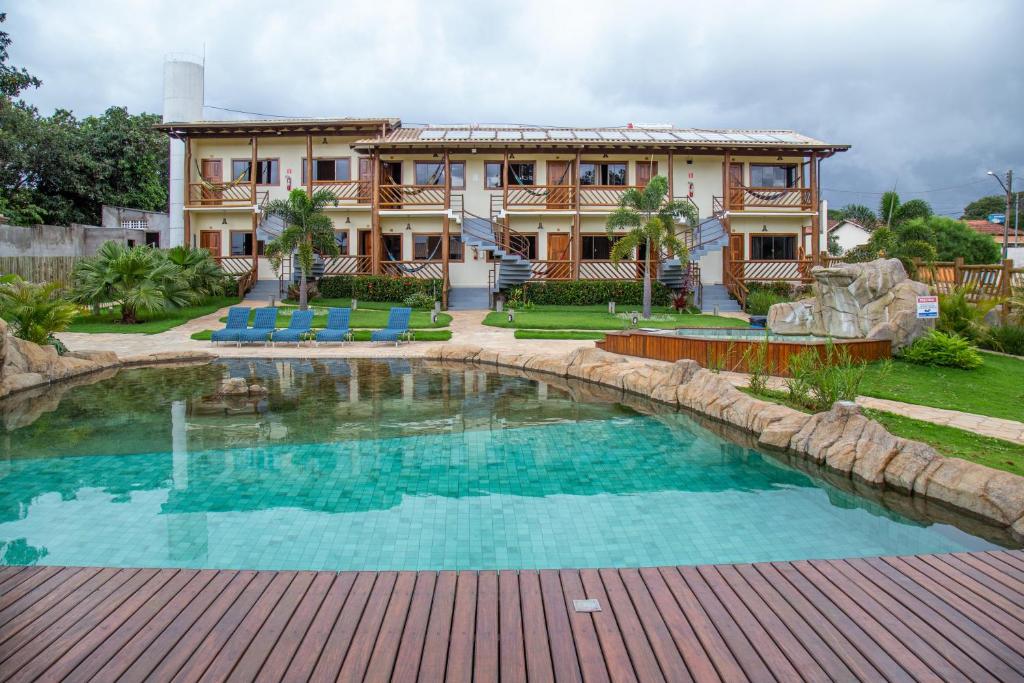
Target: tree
{"x": 274, "y": 253}
{"x": 140, "y": 279}
{"x": 979, "y": 209}
{"x": 858, "y": 213}
{"x": 650, "y": 222}
{"x": 199, "y": 269}
{"x": 35, "y": 311}
{"x": 953, "y": 238}
{"x": 935, "y": 238}
{"x": 308, "y": 229}
{"x": 13, "y": 80}
{"x": 893, "y": 212}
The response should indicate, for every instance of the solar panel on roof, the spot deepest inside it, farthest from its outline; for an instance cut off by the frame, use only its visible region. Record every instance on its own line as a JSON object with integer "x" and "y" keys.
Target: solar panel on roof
{"x": 687, "y": 135}
{"x": 586, "y": 134}
{"x": 432, "y": 134}
{"x": 482, "y": 135}
{"x": 790, "y": 137}
{"x": 534, "y": 134}
{"x": 661, "y": 135}
{"x": 560, "y": 134}
{"x": 637, "y": 135}
{"x": 714, "y": 137}
{"x": 457, "y": 135}
{"x": 738, "y": 137}
{"x": 612, "y": 135}
{"x": 763, "y": 137}
{"x": 509, "y": 135}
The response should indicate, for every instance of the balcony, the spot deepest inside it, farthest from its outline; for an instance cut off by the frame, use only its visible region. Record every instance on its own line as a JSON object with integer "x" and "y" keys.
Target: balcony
{"x": 224, "y": 195}
{"x": 412, "y": 197}
{"x": 784, "y": 198}
{"x": 346, "y": 192}
{"x": 603, "y": 196}
{"x": 553, "y": 197}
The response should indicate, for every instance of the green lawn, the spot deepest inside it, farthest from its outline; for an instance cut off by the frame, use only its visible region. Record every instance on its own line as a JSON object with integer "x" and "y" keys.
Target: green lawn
{"x": 365, "y": 316}
{"x": 598, "y": 318}
{"x": 957, "y": 443}
{"x": 363, "y": 335}
{"x": 110, "y": 320}
{"x": 995, "y": 389}
{"x": 558, "y": 334}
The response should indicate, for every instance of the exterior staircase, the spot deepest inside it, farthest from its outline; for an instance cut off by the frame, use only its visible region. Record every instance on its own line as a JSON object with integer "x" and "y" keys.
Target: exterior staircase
{"x": 480, "y": 233}
{"x": 718, "y": 295}
{"x": 263, "y": 290}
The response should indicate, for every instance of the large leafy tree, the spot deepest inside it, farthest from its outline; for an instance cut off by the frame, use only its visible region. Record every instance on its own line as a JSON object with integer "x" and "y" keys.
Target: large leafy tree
{"x": 893, "y": 212}
{"x": 649, "y": 222}
{"x": 858, "y": 213}
{"x": 980, "y": 208}
{"x": 308, "y": 230}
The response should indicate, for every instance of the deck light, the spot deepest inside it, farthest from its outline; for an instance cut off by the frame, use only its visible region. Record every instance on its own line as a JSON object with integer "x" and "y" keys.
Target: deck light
{"x": 348, "y": 220}
{"x": 324, "y": 141}
{"x": 611, "y": 307}
{"x": 511, "y": 315}
{"x": 540, "y": 225}
{"x": 635, "y": 319}
{"x": 224, "y": 221}
{"x": 764, "y": 228}
{"x": 408, "y": 226}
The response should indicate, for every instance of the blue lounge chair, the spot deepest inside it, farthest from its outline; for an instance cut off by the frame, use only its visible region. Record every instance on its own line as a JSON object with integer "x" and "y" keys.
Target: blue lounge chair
{"x": 238, "y": 320}
{"x": 262, "y": 326}
{"x": 397, "y": 327}
{"x": 299, "y": 327}
{"x": 337, "y": 326}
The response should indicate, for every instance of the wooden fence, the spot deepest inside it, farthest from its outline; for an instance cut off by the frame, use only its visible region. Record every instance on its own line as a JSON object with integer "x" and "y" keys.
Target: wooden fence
{"x": 40, "y": 268}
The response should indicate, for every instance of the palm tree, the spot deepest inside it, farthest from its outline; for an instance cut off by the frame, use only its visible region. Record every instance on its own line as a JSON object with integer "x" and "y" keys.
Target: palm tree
{"x": 199, "y": 269}
{"x": 274, "y": 253}
{"x": 35, "y": 311}
{"x": 893, "y": 212}
{"x": 140, "y": 279}
{"x": 651, "y": 223}
{"x": 308, "y": 229}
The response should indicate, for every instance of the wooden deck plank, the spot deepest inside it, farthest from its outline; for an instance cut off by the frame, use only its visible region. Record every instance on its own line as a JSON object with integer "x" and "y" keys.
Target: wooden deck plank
{"x": 593, "y": 665}
{"x": 997, "y": 562}
{"x": 613, "y": 645}
{"x": 435, "y": 644}
{"x": 511, "y": 651}
{"x": 359, "y": 650}
{"x": 410, "y": 647}
{"x": 992, "y": 600}
{"x": 1012, "y": 558}
{"x": 961, "y": 632}
{"x": 16, "y": 576}
{"x": 485, "y": 648}
{"x": 309, "y": 650}
{"x": 1008, "y": 590}
{"x": 539, "y": 666}
{"x": 672, "y": 664}
{"x": 39, "y": 583}
{"x": 641, "y": 655}
{"x": 298, "y": 625}
{"x": 335, "y": 647}
{"x": 460, "y": 643}
{"x": 385, "y": 648}
{"x": 44, "y": 596}
{"x": 246, "y": 667}
{"x": 563, "y": 649}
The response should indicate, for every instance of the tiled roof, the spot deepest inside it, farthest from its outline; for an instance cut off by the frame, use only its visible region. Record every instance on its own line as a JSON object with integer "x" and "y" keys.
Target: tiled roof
{"x": 987, "y": 227}
{"x": 833, "y": 224}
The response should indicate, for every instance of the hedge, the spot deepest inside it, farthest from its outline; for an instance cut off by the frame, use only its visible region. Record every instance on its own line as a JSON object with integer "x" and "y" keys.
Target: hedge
{"x": 589, "y": 292}
{"x": 377, "y": 287}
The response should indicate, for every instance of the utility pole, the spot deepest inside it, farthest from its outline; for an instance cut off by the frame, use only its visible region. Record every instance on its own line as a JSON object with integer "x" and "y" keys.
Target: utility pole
{"x": 1008, "y": 188}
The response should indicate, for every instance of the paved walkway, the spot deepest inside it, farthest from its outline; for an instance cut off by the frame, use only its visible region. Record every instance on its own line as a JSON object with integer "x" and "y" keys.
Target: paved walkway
{"x": 995, "y": 427}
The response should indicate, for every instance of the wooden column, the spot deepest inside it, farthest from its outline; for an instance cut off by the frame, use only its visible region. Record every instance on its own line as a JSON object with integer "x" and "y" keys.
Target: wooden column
{"x": 816, "y": 208}
{"x": 309, "y": 166}
{"x": 375, "y": 237}
{"x": 575, "y": 241}
{"x": 252, "y": 193}
{"x": 445, "y": 230}
{"x": 188, "y": 177}
{"x": 671, "y": 175}
{"x": 504, "y": 198}
{"x": 726, "y": 163}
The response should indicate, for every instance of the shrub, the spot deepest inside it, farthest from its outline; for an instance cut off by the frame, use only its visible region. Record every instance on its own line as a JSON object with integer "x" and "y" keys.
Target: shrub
{"x": 960, "y": 317}
{"x": 419, "y": 300}
{"x": 35, "y": 311}
{"x": 312, "y": 291}
{"x": 378, "y": 287}
{"x": 1005, "y": 339}
{"x": 759, "y": 366}
{"x": 819, "y": 380}
{"x": 759, "y": 301}
{"x": 230, "y": 286}
{"x": 588, "y": 293}
{"x": 942, "y": 349}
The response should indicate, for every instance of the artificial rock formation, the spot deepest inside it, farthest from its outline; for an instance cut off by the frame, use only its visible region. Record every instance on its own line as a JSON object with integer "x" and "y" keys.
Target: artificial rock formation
{"x": 875, "y": 300}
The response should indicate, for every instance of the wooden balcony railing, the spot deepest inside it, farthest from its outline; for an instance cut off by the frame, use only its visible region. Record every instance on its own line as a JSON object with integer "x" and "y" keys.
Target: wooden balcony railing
{"x": 603, "y": 196}
{"x": 550, "y": 270}
{"x": 221, "y": 194}
{"x": 795, "y": 271}
{"x": 541, "y": 197}
{"x": 613, "y": 270}
{"x": 347, "y": 265}
{"x": 346, "y": 191}
{"x": 235, "y": 265}
{"x": 418, "y": 269}
{"x": 412, "y": 196}
{"x": 741, "y": 198}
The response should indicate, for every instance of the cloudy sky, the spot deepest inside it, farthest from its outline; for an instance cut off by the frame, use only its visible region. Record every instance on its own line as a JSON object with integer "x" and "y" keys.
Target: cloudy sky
{"x": 930, "y": 94}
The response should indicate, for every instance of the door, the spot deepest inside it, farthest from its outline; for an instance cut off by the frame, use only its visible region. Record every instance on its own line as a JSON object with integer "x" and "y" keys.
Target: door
{"x": 212, "y": 171}
{"x": 210, "y": 240}
{"x": 365, "y": 178}
{"x": 391, "y": 175}
{"x": 735, "y": 264}
{"x": 560, "y": 175}
{"x": 645, "y": 170}
{"x": 558, "y": 250}
{"x": 735, "y": 186}
{"x": 363, "y": 242}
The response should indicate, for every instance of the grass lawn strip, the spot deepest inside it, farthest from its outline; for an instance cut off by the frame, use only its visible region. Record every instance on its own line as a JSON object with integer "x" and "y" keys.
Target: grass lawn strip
{"x": 109, "y": 321}
{"x": 362, "y": 335}
{"x": 558, "y": 334}
{"x": 995, "y": 389}
{"x": 598, "y": 318}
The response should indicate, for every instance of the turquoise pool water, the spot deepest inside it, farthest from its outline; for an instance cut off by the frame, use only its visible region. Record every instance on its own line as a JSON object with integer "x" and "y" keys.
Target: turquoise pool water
{"x": 398, "y": 465}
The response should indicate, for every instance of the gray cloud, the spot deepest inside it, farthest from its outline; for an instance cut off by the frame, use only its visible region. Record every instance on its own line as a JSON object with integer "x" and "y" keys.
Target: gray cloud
{"x": 929, "y": 93}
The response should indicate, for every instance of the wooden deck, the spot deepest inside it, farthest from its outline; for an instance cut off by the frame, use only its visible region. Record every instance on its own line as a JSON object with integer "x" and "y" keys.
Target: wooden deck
{"x": 952, "y": 617}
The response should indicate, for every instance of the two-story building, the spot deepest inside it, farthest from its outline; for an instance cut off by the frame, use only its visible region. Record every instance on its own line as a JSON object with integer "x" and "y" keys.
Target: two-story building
{"x": 482, "y": 207}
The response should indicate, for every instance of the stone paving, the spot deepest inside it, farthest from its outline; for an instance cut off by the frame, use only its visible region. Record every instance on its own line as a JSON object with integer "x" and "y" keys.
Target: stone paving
{"x": 466, "y": 328}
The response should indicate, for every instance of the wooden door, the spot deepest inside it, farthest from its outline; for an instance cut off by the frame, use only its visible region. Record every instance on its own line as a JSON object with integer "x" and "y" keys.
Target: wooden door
{"x": 558, "y": 250}
{"x": 210, "y": 240}
{"x": 365, "y": 178}
{"x": 645, "y": 170}
{"x": 560, "y": 175}
{"x": 363, "y": 242}
{"x": 735, "y": 264}
{"x": 735, "y": 186}
{"x": 212, "y": 171}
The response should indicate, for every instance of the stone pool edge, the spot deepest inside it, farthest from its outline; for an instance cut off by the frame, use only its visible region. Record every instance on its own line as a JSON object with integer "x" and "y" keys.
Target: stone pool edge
{"x": 841, "y": 439}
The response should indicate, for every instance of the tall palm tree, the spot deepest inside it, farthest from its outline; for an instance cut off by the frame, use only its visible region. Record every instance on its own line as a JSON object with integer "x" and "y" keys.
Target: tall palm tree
{"x": 893, "y": 212}
{"x": 308, "y": 229}
{"x": 650, "y": 222}
{"x": 140, "y": 279}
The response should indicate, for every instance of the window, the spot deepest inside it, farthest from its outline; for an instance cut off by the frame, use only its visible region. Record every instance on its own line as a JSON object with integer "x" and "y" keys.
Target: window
{"x": 135, "y": 224}
{"x": 492, "y": 175}
{"x": 341, "y": 239}
{"x": 428, "y": 247}
{"x": 597, "y": 247}
{"x": 392, "y": 247}
{"x": 592, "y": 173}
{"x": 153, "y": 239}
{"x": 519, "y": 173}
{"x": 768, "y": 175}
{"x": 241, "y": 243}
{"x": 268, "y": 171}
{"x": 432, "y": 173}
{"x": 773, "y": 247}
{"x": 328, "y": 169}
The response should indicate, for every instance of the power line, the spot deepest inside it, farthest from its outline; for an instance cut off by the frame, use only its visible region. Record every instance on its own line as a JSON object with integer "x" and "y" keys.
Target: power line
{"x": 936, "y": 189}
{"x": 252, "y": 113}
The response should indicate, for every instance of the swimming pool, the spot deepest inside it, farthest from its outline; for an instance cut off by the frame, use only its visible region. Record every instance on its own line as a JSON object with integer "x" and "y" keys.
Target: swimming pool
{"x": 376, "y": 464}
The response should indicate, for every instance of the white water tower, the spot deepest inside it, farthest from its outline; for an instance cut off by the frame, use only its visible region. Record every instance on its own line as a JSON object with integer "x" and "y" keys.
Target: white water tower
{"x": 183, "y": 102}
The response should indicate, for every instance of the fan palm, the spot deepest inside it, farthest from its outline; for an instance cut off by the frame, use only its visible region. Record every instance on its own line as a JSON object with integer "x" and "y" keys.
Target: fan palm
{"x": 308, "y": 230}
{"x": 35, "y": 311}
{"x": 140, "y": 279}
{"x": 650, "y": 222}
{"x": 199, "y": 270}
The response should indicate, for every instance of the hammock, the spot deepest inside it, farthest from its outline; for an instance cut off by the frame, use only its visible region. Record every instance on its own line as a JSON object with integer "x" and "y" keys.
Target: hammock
{"x": 768, "y": 197}
{"x": 219, "y": 184}
{"x": 537, "y": 193}
{"x": 405, "y": 267}
{"x": 432, "y": 181}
